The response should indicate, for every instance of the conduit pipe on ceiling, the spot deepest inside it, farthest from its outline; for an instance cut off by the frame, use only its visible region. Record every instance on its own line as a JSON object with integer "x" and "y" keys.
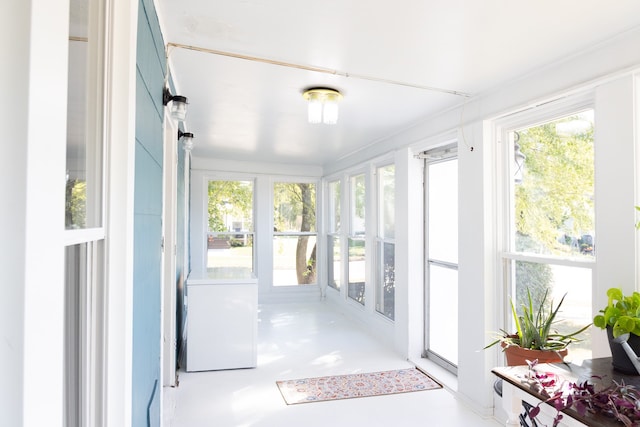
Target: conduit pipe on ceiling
{"x": 314, "y": 69}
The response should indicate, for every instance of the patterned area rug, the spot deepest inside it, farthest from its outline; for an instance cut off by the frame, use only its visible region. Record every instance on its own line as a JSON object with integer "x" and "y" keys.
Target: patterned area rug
{"x": 355, "y": 385}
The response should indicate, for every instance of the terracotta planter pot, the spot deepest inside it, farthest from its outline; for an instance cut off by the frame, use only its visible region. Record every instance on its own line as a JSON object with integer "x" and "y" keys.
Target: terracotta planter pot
{"x": 519, "y": 356}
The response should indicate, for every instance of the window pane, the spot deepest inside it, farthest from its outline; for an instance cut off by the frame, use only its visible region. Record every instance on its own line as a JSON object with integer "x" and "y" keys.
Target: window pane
{"x": 334, "y": 261}
{"x": 76, "y": 264}
{"x": 386, "y": 194}
{"x": 230, "y": 206}
{"x": 334, "y": 206}
{"x": 230, "y": 228}
{"x": 443, "y": 338}
{"x": 229, "y": 255}
{"x": 386, "y": 288}
{"x": 557, "y": 280}
{"x": 357, "y": 205}
{"x": 356, "y": 270}
{"x": 294, "y": 242}
{"x": 443, "y": 210}
{"x": 553, "y": 175}
{"x": 83, "y": 207}
{"x": 294, "y": 259}
{"x": 294, "y": 207}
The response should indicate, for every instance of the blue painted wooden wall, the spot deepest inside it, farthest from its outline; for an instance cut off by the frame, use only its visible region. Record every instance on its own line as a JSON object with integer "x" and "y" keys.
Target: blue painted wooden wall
{"x": 147, "y": 260}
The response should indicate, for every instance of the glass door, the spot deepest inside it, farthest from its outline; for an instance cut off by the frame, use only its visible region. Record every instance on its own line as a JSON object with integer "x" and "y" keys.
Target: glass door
{"x": 441, "y": 264}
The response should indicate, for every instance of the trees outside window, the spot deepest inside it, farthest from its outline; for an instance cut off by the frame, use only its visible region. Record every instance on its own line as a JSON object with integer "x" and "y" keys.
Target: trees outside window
{"x": 551, "y": 241}
{"x": 294, "y": 234}
{"x": 229, "y": 238}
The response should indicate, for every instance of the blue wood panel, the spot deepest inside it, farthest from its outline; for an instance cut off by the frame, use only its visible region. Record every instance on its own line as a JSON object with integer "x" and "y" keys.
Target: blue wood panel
{"x": 148, "y": 121}
{"x": 146, "y": 317}
{"x": 147, "y": 256}
{"x": 148, "y": 186}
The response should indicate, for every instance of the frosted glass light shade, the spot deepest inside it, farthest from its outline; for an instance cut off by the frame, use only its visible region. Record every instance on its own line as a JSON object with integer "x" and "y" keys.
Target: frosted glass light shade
{"x": 179, "y": 107}
{"x": 187, "y": 141}
{"x": 322, "y": 105}
{"x": 315, "y": 110}
{"x": 330, "y": 112}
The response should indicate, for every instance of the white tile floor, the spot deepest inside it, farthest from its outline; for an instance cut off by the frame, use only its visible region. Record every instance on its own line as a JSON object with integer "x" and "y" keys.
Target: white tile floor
{"x": 307, "y": 340}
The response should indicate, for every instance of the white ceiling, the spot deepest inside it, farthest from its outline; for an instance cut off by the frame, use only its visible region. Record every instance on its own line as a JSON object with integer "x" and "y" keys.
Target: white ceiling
{"x": 250, "y": 110}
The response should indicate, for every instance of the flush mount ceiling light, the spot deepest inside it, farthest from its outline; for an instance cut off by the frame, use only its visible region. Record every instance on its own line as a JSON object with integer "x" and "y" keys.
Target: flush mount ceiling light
{"x": 178, "y": 104}
{"x": 187, "y": 140}
{"x": 323, "y": 105}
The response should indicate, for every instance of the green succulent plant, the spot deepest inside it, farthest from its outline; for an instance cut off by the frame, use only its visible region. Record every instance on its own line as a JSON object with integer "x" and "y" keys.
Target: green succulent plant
{"x": 534, "y": 327}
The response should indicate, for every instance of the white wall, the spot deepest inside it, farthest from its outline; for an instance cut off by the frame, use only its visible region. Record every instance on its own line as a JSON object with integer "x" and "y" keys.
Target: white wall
{"x": 32, "y": 218}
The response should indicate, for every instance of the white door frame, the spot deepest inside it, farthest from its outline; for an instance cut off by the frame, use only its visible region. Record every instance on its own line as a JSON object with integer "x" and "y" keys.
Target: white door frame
{"x": 169, "y": 227}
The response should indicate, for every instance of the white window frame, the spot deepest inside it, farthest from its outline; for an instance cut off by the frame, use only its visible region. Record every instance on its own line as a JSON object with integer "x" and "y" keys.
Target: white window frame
{"x": 380, "y": 240}
{"x": 365, "y": 173}
{"x": 335, "y": 232}
{"x": 316, "y": 234}
{"x": 506, "y": 255}
{"x": 92, "y": 314}
{"x": 252, "y": 233}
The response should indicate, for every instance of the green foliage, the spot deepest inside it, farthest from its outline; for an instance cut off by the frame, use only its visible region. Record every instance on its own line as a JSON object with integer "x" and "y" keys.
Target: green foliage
{"x": 229, "y": 199}
{"x": 76, "y": 204}
{"x": 358, "y": 193}
{"x": 294, "y": 206}
{"x": 534, "y": 327}
{"x": 555, "y": 196}
{"x": 622, "y": 313}
{"x": 533, "y": 281}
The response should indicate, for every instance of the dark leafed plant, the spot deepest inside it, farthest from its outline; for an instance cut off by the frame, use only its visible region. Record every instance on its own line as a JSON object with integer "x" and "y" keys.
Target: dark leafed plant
{"x": 618, "y": 400}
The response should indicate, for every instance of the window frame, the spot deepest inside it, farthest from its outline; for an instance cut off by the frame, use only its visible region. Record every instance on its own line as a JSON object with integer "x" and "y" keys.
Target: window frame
{"x": 353, "y": 236}
{"x": 85, "y": 253}
{"x": 507, "y": 255}
{"x": 273, "y": 234}
{"x": 251, "y": 233}
{"x": 334, "y": 232}
{"x": 381, "y": 240}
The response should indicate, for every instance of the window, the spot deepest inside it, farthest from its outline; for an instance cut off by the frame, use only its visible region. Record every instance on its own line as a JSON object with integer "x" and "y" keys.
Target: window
{"x": 550, "y": 239}
{"x": 356, "y": 241}
{"x": 334, "y": 249}
{"x": 229, "y": 237}
{"x": 294, "y": 233}
{"x": 84, "y": 220}
{"x": 385, "y": 243}
{"x": 441, "y": 275}
{"x": 83, "y": 207}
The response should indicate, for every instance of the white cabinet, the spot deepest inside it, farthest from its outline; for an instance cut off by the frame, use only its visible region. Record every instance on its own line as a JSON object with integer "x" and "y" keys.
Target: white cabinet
{"x": 222, "y": 322}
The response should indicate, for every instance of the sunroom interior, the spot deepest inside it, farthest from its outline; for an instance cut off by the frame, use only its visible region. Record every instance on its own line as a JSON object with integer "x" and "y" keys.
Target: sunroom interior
{"x": 475, "y": 147}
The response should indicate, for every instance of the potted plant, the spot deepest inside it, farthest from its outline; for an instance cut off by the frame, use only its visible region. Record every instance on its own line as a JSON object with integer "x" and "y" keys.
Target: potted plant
{"x": 621, "y": 316}
{"x": 618, "y": 401}
{"x": 534, "y": 338}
